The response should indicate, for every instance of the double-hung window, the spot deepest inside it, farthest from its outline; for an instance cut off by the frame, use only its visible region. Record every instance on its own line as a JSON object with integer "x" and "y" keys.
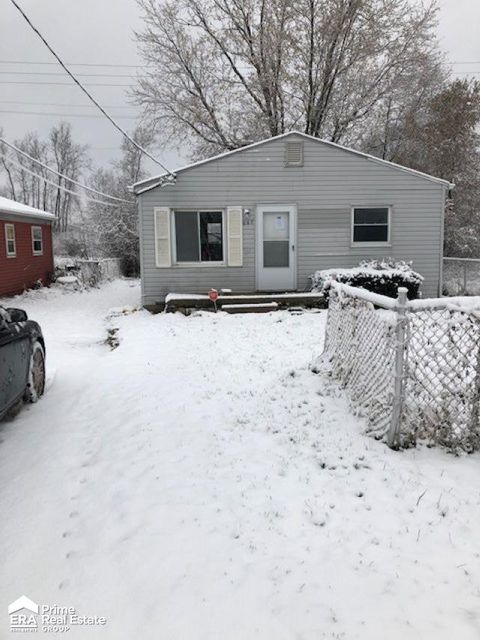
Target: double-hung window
{"x": 37, "y": 241}
{"x": 371, "y": 225}
{"x": 199, "y": 236}
{"x": 10, "y": 240}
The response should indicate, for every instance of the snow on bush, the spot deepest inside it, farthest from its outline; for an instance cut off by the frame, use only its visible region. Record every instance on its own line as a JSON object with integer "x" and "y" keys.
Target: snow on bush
{"x": 379, "y": 276}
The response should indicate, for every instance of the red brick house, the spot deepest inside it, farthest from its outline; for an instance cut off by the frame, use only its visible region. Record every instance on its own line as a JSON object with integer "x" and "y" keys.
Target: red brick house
{"x": 26, "y": 254}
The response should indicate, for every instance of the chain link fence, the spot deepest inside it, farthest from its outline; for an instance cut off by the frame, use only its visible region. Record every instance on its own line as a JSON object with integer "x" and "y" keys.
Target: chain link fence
{"x": 461, "y": 276}
{"x": 412, "y": 369}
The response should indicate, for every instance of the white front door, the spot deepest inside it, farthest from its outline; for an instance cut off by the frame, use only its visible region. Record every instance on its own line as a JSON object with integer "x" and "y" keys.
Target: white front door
{"x": 276, "y": 225}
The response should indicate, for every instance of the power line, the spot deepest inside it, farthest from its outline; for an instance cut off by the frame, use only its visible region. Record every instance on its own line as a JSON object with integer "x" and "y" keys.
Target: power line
{"x": 117, "y": 65}
{"x": 62, "y": 115}
{"x": 62, "y": 175}
{"x": 57, "y": 186}
{"x": 59, "y": 104}
{"x": 87, "y": 93}
{"x": 67, "y": 84}
{"x": 79, "y": 75}
{"x": 75, "y": 64}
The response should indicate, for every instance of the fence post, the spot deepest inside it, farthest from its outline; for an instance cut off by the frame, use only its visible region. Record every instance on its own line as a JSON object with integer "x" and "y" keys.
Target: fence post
{"x": 475, "y": 415}
{"x": 393, "y": 435}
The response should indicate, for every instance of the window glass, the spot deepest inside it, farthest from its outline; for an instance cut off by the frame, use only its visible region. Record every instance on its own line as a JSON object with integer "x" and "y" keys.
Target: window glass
{"x": 199, "y": 236}
{"x": 10, "y": 239}
{"x": 186, "y": 236}
{"x": 276, "y": 243}
{"x": 37, "y": 244}
{"x": 370, "y": 224}
{"x": 211, "y": 236}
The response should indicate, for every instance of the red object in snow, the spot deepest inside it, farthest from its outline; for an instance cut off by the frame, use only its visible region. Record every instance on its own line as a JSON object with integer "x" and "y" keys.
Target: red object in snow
{"x": 213, "y": 295}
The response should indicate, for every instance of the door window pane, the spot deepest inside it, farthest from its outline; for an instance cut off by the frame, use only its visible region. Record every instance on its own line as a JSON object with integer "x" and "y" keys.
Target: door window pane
{"x": 186, "y": 236}
{"x": 276, "y": 253}
{"x": 276, "y": 239}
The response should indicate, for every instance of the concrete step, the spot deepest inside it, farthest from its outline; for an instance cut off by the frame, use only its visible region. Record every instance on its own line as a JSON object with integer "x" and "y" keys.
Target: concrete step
{"x": 263, "y": 307}
{"x": 182, "y": 301}
{"x": 296, "y": 311}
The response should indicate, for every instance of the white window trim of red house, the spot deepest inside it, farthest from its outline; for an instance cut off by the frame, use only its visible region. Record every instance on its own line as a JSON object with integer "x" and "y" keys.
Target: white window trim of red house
{"x": 40, "y": 251}
{"x": 10, "y": 254}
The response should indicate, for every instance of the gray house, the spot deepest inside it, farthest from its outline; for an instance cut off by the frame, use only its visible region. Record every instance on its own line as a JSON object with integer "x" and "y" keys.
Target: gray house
{"x": 266, "y": 216}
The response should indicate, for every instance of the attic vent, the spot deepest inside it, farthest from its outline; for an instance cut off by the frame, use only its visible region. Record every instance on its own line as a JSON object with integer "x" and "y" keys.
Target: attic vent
{"x": 294, "y": 154}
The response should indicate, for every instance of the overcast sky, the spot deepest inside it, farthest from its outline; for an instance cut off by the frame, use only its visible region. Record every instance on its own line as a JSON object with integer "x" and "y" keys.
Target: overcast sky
{"x": 101, "y": 31}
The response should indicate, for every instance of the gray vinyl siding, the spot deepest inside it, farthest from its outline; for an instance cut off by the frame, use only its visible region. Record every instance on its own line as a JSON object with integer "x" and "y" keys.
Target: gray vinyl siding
{"x": 324, "y": 190}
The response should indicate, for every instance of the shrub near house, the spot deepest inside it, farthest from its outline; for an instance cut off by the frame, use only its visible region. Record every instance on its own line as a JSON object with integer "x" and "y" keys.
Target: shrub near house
{"x": 379, "y": 276}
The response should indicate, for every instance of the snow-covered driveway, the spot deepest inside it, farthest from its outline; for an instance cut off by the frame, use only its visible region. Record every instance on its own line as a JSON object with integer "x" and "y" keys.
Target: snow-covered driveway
{"x": 200, "y": 482}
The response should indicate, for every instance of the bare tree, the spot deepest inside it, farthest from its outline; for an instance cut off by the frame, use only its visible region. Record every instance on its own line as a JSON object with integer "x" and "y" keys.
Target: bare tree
{"x": 443, "y": 140}
{"x": 116, "y": 228}
{"x": 70, "y": 159}
{"x": 59, "y": 152}
{"x": 227, "y": 72}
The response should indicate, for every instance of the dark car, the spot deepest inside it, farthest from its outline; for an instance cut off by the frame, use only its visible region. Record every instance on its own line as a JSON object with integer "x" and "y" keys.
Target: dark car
{"x": 22, "y": 360}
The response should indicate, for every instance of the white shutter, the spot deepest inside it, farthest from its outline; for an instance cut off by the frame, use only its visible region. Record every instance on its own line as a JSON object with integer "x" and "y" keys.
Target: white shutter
{"x": 163, "y": 257}
{"x": 235, "y": 236}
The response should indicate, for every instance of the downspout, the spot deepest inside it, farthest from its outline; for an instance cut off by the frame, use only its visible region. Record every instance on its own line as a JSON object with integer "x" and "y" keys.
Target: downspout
{"x": 442, "y": 240}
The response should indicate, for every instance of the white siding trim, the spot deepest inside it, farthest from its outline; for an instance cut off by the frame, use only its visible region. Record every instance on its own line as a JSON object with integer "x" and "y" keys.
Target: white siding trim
{"x": 235, "y": 236}
{"x": 163, "y": 250}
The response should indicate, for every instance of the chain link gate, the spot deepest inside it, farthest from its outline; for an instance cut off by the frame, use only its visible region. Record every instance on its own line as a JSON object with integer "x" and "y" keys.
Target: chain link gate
{"x": 411, "y": 368}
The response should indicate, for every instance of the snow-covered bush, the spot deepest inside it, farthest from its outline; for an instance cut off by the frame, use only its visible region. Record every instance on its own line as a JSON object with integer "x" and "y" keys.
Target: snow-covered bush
{"x": 379, "y": 276}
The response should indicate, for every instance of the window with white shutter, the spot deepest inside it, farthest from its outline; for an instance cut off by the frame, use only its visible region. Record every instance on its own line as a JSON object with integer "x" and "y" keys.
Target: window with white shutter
{"x": 235, "y": 236}
{"x": 162, "y": 237}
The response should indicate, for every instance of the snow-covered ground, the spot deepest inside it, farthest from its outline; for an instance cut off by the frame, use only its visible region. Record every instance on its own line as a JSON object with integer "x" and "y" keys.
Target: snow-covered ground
{"x": 200, "y": 482}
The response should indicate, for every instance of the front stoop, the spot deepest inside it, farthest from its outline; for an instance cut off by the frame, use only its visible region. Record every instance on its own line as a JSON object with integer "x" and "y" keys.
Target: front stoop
{"x": 245, "y": 303}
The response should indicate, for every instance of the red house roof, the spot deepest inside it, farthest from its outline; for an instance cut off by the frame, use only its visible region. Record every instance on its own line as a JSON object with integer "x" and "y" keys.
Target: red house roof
{"x": 23, "y": 210}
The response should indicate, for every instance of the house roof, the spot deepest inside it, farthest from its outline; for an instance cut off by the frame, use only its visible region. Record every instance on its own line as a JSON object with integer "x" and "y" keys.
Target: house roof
{"x": 19, "y": 209}
{"x": 155, "y": 181}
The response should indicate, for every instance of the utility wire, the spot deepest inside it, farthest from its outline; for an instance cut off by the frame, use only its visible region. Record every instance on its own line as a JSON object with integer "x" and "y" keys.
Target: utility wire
{"x": 60, "y": 104}
{"x": 79, "y": 75}
{"x": 62, "y": 175}
{"x": 117, "y": 65}
{"x": 74, "y": 64}
{"x": 57, "y": 186}
{"x": 67, "y": 84}
{"x": 87, "y": 93}
{"x": 62, "y": 115}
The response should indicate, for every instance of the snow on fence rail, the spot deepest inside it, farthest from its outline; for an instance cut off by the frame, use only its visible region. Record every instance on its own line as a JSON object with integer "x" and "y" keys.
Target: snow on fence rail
{"x": 412, "y": 368}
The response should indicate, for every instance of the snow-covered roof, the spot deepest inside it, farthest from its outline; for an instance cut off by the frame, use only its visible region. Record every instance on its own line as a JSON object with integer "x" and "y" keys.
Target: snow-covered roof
{"x": 19, "y": 209}
{"x": 151, "y": 183}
